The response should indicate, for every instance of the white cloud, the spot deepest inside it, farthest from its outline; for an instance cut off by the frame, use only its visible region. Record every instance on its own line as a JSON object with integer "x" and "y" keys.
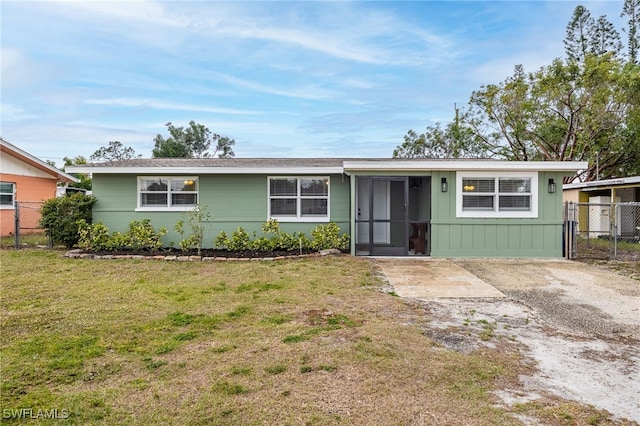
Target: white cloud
{"x": 10, "y": 112}
{"x": 134, "y": 102}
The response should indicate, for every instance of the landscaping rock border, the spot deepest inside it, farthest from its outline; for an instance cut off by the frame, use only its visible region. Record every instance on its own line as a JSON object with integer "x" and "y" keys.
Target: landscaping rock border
{"x": 80, "y": 254}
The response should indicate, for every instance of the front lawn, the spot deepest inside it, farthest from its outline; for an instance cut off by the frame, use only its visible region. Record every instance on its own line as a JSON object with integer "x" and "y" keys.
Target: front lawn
{"x": 309, "y": 341}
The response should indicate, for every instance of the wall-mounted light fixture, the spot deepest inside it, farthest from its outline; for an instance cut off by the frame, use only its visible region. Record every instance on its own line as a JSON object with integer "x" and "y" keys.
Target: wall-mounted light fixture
{"x": 443, "y": 184}
{"x": 552, "y": 186}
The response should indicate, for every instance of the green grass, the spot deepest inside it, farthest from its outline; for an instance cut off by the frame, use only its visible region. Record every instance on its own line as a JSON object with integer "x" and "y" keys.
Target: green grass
{"x": 291, "y": 342}
{"x": 26, "y": 240}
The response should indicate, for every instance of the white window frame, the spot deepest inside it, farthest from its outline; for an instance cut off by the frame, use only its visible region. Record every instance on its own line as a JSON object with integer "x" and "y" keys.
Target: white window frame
{"x": 299, "y": 197}
{"x": 168, "y": 207}
{"x": 495, "y": 213}
{"x": 13, "y": 197}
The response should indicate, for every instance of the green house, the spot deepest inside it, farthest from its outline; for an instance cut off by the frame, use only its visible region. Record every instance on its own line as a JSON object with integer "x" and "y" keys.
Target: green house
{"x": 389, "y": 207}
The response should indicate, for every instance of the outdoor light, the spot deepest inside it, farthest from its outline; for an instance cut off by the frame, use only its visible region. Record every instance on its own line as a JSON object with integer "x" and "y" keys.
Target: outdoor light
{"x": 552, "y": 186}
{"x": 443, "y": 185}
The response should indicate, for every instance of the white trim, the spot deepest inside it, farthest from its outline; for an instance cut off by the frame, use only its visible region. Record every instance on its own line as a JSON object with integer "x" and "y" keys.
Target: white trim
{"x": 463, "y": 165}
{"x": 207, "y": 170}
{"x": 177, "y": 208}
{"x": 299, "y": 218}
{"x": 533, "y": 213}
{"x": 347, "y": 167}
{"x": 11, "y": 206}
{"x": 165, "y": 209}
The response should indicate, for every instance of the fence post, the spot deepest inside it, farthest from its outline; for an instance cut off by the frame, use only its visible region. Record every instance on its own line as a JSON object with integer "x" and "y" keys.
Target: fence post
{"x": 615, "y": 230}
{"x": 16, "y": 223}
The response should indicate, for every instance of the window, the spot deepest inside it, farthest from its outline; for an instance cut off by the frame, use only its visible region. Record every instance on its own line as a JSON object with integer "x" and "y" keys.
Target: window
{"x": 175, "y": 193}
{"x": 299, "y": 199}
{"x": 483, "y": 194}
{"x": 7, "y": 195}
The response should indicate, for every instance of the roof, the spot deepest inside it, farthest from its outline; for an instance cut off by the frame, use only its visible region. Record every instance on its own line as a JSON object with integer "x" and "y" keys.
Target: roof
{"x": 312, "y": 165}
{"x": 29, "y": 159}
{"x": 601, "y": 184}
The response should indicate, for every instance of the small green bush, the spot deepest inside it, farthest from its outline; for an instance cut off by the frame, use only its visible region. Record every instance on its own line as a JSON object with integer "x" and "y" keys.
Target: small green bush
{"x": 221, "y": 240}
{"x": 323, "y": 237}
{"x": 240, "y": 240}
{"x": 140, "y": 236}
{"x": 97, "y": 237}
{"x": 60, "y": 217}
{"x": 328, "y": 237}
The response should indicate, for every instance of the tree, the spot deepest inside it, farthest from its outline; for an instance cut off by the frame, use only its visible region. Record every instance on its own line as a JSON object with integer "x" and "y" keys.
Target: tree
{"x": 565, "y": 111}
{"x": 452, "y": 141}
{"x": 579, "y": 33}
{"x": 605, "y": 38}
{"x": 115, "y": 151}
{"x": 192, "y": 142}
{"x": 631, "y": 9}
{"x": 85, "y": 180}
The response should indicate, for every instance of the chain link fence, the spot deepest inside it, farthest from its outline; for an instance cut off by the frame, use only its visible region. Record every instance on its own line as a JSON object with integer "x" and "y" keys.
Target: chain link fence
{"x": 601, "y": 231}
{"x": 27, "y": 227}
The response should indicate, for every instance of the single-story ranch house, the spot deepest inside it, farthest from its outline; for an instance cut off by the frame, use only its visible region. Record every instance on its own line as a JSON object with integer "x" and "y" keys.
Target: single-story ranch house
{"x": 399, "y": 207}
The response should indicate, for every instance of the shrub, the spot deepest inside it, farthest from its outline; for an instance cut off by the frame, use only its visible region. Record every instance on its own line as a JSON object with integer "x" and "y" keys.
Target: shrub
{"x": 142, "y": 236}
{"x": 240, "y": 240}
{"x": 263, "y": 243}
{"x": 221, "y": 240}
{"x": 295, "y": 241}
{"x": 60, "y": 217}
{"x": 282, "y": 240}
{"x": 95, "y": 236}
{"x": 328, "y": 237}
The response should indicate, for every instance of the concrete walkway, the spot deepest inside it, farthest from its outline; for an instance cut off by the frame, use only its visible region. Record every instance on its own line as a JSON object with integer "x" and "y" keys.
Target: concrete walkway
{"x": 433, "y": 278}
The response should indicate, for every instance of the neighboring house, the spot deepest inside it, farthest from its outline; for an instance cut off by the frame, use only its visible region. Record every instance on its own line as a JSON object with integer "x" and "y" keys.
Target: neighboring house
{"x": 619, "y": 190}
{"x": 595, "y": 213}
{"x": 24, "y": 178}
{"x": 441, "y": 208}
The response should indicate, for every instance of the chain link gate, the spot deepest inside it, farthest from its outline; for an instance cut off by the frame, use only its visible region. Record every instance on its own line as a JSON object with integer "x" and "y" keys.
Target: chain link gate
{"x": 27, "y": 221}
{"x": 627, "y": 231}
{"x": 601, "y": 231}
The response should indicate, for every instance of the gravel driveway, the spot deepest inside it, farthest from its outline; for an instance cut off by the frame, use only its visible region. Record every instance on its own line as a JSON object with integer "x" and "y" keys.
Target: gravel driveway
{"x": 579, "y": 325}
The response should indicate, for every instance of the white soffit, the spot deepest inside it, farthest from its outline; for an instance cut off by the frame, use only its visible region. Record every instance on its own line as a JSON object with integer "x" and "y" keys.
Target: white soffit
{"x": 460, "y": 165}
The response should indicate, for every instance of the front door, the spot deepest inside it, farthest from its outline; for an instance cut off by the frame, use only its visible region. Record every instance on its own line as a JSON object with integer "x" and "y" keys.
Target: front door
{"x": 381, "y": 216}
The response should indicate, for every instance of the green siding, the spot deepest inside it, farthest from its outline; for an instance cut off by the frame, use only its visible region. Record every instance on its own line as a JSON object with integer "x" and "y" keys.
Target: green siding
{"x": 233, "y": 200}
{"x": 496, "y": 237}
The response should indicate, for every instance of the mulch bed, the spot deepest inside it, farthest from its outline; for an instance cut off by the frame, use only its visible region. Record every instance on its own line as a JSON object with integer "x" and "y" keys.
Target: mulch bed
{"x": 205, "y": 254}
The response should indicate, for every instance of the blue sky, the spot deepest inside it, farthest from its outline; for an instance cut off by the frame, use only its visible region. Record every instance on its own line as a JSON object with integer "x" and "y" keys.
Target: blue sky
{"x": 284, "y": 79}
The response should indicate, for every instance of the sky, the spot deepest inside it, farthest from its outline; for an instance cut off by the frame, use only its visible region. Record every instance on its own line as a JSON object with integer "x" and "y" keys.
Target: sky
{"x": 283, "y": 79}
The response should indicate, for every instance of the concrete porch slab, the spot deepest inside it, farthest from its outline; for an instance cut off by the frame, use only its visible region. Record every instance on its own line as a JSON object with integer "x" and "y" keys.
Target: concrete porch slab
{"x": 433, "y": 278}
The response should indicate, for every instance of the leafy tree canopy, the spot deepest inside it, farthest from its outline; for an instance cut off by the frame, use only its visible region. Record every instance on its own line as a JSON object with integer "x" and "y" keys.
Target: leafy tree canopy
{"x": 85, "y": 180}
{"x": 115, "y": 151}
{"x": 193, "y": 141}
{"x": 586, "y": 107}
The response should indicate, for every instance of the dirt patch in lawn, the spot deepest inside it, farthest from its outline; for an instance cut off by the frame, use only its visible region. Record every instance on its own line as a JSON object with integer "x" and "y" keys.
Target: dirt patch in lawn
{"x": 578, "y": 325}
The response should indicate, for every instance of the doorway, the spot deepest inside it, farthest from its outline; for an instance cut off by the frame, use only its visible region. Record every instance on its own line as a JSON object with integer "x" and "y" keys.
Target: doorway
{"x": 382, "y": 216}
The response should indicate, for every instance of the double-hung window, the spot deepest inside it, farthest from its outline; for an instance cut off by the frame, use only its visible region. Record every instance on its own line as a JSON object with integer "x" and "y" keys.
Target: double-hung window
{"x": 167, "y": 193}
{"x": 7, "y": 195}
{"x": 293, "y": 199}
{"x": 506, "y": 194}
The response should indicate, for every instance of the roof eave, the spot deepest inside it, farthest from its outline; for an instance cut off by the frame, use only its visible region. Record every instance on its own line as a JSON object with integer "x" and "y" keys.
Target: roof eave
{"x": 464, "y": 165}
{"x": 36, "y": 162}
{"x": 206, "y": 170}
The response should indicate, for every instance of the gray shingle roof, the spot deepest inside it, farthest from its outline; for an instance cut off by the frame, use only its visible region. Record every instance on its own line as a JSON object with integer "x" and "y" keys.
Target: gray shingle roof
{"x": 224, "y": 162}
